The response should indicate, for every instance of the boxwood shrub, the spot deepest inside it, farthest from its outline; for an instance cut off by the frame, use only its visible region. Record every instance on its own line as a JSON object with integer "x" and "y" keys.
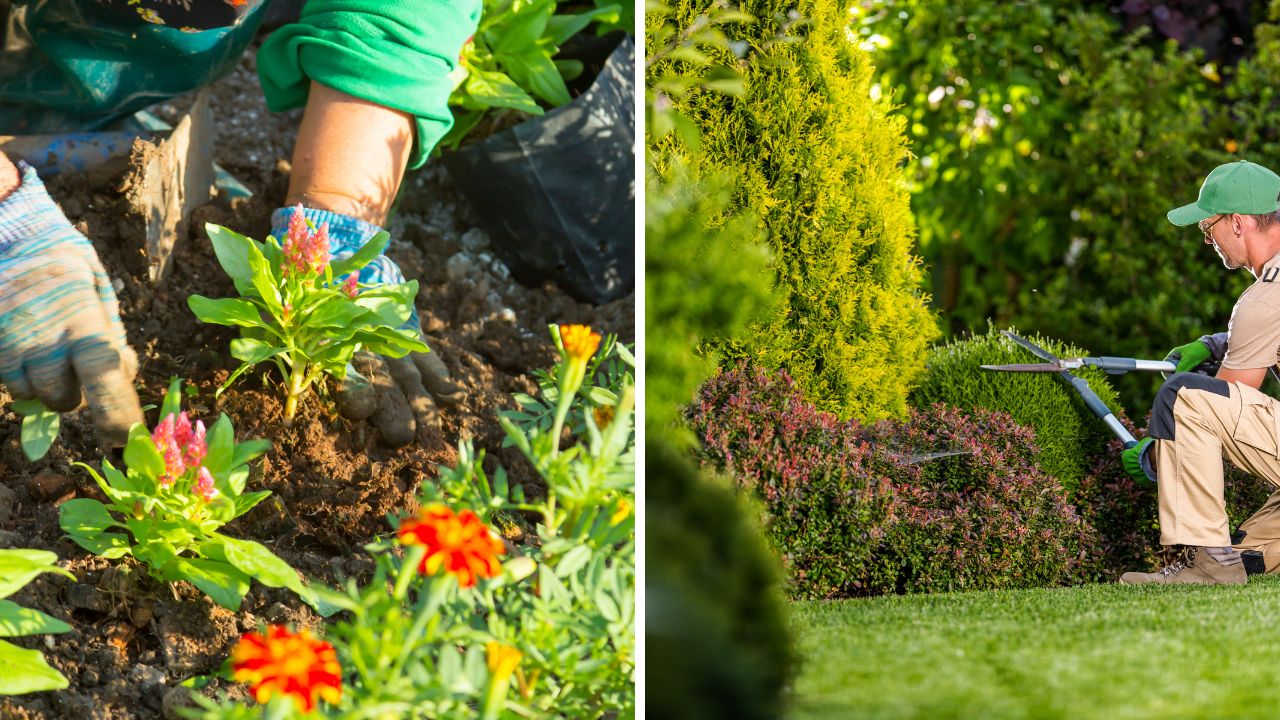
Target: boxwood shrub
{"x": 1070, "y": 437}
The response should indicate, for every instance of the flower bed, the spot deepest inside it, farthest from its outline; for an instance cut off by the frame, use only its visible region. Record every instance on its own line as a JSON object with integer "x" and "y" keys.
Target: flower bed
{"x": 133, "y": 639}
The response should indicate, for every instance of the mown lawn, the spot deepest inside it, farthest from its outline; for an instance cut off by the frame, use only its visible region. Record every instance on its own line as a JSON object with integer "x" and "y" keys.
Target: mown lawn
{"x": 1102, "y": 651}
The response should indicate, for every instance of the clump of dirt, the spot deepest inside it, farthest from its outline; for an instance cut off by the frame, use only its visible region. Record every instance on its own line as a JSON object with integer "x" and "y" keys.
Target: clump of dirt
{"x": 332, "y": 480}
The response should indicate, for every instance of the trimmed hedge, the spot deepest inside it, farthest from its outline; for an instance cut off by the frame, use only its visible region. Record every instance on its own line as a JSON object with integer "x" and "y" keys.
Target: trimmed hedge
{"x": 866, "y": 510}
{"x": 1069, "y": 435}
{"x": 821, "y": 165}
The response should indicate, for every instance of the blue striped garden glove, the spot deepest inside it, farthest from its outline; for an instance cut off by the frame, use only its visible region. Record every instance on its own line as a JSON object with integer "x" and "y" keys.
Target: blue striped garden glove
{"x": 60, "y": 327}
{"x": 399, "y": 395}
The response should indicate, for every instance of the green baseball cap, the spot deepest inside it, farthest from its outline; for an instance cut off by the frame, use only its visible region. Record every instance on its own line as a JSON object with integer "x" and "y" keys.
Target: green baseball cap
{"x": 1239, "y": 187}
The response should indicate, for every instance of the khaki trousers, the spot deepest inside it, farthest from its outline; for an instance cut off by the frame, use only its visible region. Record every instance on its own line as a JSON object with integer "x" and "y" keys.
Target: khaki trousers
{"x": 1208, "y": 426}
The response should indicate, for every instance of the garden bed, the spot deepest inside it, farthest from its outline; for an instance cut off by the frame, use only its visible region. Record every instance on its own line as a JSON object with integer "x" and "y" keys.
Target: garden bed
{"x": 332, "y": 480}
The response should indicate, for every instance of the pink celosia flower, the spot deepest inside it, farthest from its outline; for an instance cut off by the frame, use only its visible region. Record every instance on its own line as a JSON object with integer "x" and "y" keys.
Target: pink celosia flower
{"x": 305, "y": 252}
{"x": 349, "y": 287}
{"x": 182, "y": 446}
{"x": 204, "y": 485}
{"x": 196, "y": 448}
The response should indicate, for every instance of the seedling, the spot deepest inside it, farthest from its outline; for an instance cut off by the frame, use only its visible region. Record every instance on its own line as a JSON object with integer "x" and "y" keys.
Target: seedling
{"x": 182, "y": 483}
{"x": 294, "y": 311}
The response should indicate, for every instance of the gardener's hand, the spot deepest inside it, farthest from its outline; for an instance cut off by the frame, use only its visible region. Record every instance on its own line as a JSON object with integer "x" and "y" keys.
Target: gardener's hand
{"x": 1190, "y": 356}
{"x": 60, "y": 327}
{"x": 398, "y": 395}
{"x": 1137, "y": 461}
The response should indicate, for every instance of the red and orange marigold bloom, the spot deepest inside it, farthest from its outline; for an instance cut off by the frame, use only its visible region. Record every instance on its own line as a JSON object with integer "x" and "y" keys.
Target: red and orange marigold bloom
{"x": 284, "y": 662}
{"x": 579, "y": 342}
{"x": 460, "y": 543}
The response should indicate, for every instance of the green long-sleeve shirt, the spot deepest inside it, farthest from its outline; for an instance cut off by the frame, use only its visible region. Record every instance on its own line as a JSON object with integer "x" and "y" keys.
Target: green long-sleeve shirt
{"x": 395, "y": 54}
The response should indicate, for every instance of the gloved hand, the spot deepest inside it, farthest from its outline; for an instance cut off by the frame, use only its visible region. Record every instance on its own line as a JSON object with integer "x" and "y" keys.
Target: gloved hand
{"x": 1137, "y": 461}
{"x": 1191, "y": 356}
{"x": 60, "y": 324}
{"x": 399, "y": 395}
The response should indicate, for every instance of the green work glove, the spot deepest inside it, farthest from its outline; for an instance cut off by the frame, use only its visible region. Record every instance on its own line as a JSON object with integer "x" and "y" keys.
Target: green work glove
{"x": 1137, "y": 461}
{"x": 1190, "y": 356}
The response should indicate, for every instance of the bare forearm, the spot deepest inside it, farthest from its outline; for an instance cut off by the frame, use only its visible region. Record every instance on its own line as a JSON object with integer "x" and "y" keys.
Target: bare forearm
{"x": 350, "y": 155}
{"x": 10, "y": 179}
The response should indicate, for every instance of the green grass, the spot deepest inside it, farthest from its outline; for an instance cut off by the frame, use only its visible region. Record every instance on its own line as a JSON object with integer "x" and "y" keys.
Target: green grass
{"x": 1100, "y": 651}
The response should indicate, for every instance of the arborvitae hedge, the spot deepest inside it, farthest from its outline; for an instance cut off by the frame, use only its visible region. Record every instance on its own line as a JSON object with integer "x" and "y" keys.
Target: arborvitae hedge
{"x": 820, "y": 162}
{"x": 1069, "y": 435}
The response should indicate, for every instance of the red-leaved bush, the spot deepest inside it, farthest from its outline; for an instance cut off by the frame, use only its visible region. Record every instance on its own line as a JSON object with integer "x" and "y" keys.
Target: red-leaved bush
{"x": 942, "y": 501}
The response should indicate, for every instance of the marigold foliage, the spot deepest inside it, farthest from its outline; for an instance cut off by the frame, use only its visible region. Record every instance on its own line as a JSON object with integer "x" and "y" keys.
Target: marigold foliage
{"x": 819, "y": 163}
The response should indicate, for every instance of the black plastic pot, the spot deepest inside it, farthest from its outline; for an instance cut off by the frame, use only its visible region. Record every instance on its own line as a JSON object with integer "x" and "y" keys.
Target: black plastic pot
{"x": 556, "y": 193}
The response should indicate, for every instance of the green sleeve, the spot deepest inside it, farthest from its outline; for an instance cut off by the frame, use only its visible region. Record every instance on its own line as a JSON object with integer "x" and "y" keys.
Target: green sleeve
{"x": 396, "y": 54}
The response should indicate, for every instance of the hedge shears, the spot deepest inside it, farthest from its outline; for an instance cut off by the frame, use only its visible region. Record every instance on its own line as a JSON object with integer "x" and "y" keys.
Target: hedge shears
{"x": 1063, "y": 368}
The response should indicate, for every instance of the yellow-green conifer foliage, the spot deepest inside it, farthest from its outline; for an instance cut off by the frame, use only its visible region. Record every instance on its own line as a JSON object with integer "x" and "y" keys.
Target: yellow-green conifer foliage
{"x": 821, "y": 164}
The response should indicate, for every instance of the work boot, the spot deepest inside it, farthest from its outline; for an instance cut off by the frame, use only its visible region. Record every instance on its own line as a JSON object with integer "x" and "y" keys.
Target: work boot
{"x": 1201, "y": 568}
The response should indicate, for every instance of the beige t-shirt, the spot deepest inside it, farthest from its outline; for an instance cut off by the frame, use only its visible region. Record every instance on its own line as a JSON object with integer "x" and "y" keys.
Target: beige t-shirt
{"x": 1253, "y": 336}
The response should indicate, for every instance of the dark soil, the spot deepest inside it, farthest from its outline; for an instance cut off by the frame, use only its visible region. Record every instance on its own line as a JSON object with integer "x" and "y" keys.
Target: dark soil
{"x": 333, "y": 482}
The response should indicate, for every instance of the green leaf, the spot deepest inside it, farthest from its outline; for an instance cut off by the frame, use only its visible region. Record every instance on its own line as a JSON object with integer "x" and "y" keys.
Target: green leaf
{"x": 573, "y": 561}
{"x": 16, "y": 621}
{"x": 365, "y": 255}
{"x": 172, "y": 403}
{"x": 221, "y": 443}
{"x": 19, "y": 566}
{"x": 392, "y": 343}
{"x": 253, "y": 351}
{"x": 223, "y": 583}
{"x": 232, "y": 250}
{"x": 336, "y": 313}
{"x": 390, "y": 311}
{"x": 27, "y": 407}
{"x": 562, "y": 27}
{"x": 525, "y": 27}
{"x": 265, "y": 281}
{"x": 25, "y": 671}
{"x": 85, "y": 516}
{"x": 536, "y": 72}
{"x": 248, "y": 450}
{"x": 257, "y": 561}
{"x": 140, "y": 453}
{"x": 225, "y": 311}
{"x": 246, "y": 502}
{"x": 39, "y": 430}
{"x": 494, "y": 89}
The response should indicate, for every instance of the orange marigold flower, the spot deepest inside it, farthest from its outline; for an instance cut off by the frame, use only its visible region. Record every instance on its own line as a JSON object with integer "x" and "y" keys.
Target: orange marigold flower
{"x": 283, "y": 662}
{"x": 502, "y": 659}
{"x": 460, "y": 543}
{"x": 579, "y": 342}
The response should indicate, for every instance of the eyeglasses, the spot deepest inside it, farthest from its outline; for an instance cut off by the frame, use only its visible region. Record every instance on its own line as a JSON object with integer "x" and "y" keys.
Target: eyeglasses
{"x": 1206, "y": 228}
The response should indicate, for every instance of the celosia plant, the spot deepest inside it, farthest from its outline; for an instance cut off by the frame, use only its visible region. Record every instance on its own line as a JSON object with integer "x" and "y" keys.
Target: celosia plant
{"x": 180, "y": 484}
{"x": 458, "y": 623}
{"x": 294, "y": 310}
